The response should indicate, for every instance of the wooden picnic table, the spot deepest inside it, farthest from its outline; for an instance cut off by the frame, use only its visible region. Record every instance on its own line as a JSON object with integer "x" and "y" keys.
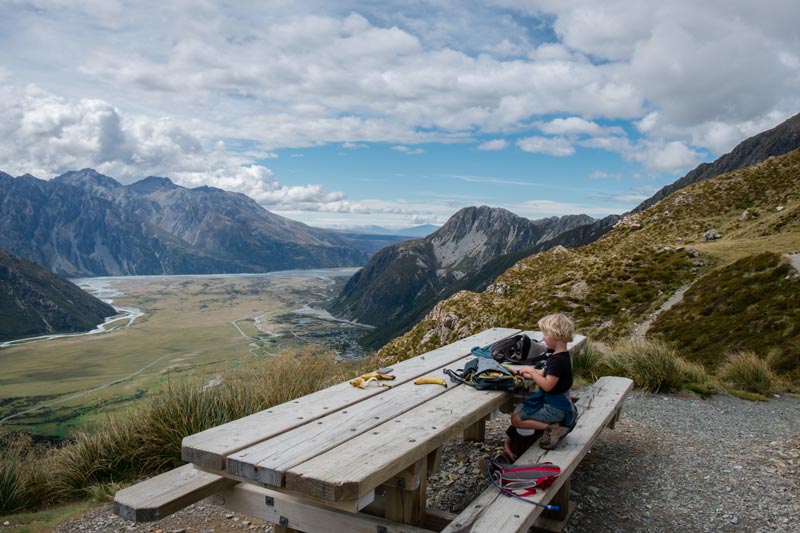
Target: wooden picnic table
{"x": 343, "y": 449}
{"x": 352, "y": 459}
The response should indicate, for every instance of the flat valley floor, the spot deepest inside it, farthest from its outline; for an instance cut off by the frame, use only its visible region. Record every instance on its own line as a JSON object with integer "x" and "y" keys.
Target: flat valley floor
{"x": 190, "y": 325}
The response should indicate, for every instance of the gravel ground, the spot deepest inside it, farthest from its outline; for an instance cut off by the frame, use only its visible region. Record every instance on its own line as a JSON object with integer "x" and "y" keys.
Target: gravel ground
{"x": 673, "y": 463}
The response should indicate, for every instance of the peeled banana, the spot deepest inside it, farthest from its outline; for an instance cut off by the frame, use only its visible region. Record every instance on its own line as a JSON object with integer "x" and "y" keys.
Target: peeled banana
{"x": 362, "y": 383}
{"x": 429, "y": 380}
{"x": 378, "y": 375}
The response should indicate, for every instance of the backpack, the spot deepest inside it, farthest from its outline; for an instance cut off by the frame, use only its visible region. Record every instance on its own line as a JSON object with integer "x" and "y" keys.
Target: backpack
{"x": 486, "y": 374}
{"x": 516, "y": 349}
{"x": 521, "y": 481}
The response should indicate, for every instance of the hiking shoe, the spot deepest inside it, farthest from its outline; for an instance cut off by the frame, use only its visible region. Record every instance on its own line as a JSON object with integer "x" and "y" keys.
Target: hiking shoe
{"x": 552, "y": 435}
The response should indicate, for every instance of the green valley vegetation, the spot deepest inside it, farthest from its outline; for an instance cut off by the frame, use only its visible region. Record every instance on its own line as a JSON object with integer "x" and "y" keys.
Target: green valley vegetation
{"x": 742, "y": 294}
{"x": 145, "y": 439}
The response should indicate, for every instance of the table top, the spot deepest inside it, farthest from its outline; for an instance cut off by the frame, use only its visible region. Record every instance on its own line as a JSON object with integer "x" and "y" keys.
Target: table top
{"x": 340, "y": 443}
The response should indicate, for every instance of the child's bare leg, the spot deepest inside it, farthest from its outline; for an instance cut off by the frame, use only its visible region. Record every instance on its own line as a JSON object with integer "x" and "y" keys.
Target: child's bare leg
{"x": 507, "y": 445}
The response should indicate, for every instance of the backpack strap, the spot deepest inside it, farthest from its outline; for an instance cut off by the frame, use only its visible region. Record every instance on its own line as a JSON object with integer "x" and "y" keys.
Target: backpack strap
{"x": 457, "y": 376}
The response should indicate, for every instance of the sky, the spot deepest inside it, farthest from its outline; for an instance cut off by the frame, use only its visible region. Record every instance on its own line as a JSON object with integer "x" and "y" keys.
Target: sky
{"x": 394, "y": 113}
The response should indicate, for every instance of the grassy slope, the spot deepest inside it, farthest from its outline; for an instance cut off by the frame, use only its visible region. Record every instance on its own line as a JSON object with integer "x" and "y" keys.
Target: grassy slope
{"x": 614, "y": 283}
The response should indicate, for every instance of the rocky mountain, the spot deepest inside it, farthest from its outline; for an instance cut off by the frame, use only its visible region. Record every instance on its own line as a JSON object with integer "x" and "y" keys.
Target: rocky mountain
{"x": 34, "y": 301}
{"x": 402, "y": 282}
{"x": 741, "y": 280}
{"x": 779, "y": 140}
{"x": 87, "y": 224}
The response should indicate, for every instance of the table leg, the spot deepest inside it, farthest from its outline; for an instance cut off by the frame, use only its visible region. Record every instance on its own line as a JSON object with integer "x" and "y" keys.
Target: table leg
{"x": 477, "y": 431}
{"x": 556, "y": 521}
{"x": 405, "y": 496}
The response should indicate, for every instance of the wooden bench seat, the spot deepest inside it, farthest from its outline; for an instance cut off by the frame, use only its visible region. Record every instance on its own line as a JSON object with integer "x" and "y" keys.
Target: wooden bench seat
{"x": 166, "y": 493}
{"x": 599, "y": 406}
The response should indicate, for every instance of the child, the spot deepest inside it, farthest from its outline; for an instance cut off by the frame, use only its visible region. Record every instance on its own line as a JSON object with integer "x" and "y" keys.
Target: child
{"x": 549, "y": 409}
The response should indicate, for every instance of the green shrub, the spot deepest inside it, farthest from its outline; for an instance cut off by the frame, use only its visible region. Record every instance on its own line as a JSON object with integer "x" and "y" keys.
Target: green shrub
{"x": 745, "y": 371}
{"x": 697, "y": 379}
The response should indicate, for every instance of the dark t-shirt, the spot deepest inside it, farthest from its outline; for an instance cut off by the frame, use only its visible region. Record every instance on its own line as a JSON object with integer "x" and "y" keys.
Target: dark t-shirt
{"x": 559, "y": 365}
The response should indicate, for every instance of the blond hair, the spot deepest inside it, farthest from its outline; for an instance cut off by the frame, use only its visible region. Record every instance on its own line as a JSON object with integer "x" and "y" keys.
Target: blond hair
{"x": 558, "y": 326}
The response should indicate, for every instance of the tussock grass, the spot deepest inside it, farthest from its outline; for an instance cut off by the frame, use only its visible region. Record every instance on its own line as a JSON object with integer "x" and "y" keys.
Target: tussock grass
{"x": 585, "y": 363}
{"x": 15, "y": 478}
{"x": 746, "y": 371}
{"x": 655, "y": 366}
{"x": 147, "y": 439}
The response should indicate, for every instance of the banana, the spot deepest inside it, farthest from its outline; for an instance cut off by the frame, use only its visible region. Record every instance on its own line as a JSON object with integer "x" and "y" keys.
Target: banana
{"x": 362, "y": 383}
{"x": 378, "y": 375}
{"x": 429, "y": 380}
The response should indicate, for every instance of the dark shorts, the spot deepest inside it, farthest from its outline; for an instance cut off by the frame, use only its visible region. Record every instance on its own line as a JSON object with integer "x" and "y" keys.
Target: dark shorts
{"x": 547, "y": 414}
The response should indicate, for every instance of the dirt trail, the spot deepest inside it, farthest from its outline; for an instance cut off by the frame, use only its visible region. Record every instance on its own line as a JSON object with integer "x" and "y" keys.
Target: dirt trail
{"x": 641, "y": 329}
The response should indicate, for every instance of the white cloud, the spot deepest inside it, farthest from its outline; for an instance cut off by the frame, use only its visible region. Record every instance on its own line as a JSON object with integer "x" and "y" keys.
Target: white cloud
{"x": 154, "y": 90}
{"x": 603, "y": 175}
{"x": 670, "y": 157}
{"x": 408, "y": 151}
{"x": 534, "y": 209}
{"x": 655, "y": 156}
{"x": 46, "y": 135}
{"x": 555, "y": 146}
{"x": 570, "y": 126}
{"x": 498, "y": 181}
{"x": 493, "y": 145}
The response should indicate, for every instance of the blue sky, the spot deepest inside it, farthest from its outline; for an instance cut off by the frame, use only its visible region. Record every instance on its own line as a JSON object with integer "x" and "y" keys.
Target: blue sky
{"x": 343, "y": 114}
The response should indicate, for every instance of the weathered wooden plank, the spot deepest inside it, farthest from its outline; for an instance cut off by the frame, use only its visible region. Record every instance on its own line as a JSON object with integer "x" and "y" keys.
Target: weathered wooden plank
{"x": 162, "y": 495}
{"x": 367, "y": 460}
{"x": 492, "y": 511}
{"x": 267, "y": 461}
{"x": 302, "y": 515}
{"x": 349, "y": 506}
{"x": 211, "y": 447}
